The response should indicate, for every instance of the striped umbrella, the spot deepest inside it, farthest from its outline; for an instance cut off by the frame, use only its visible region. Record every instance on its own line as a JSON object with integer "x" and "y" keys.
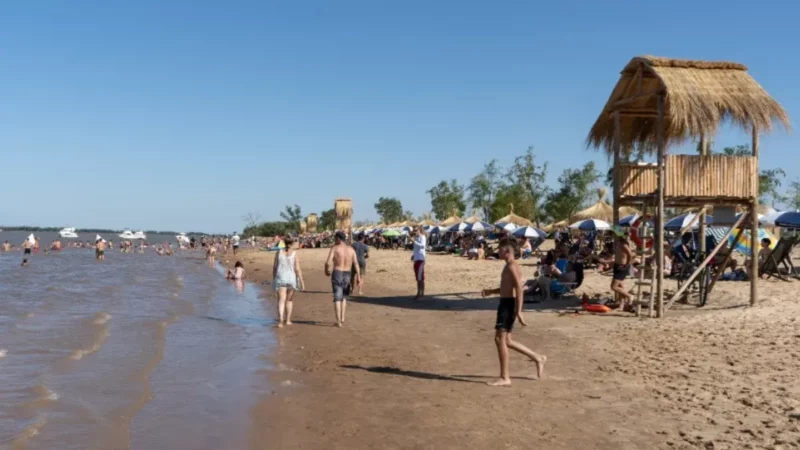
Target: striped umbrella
{"x": 478, "y": 227}
{"x": 590, "y": 225}
{"x": 680, "y": 222}
{"x": 744, "y": 246}
{"x": 530, "y": 232}
{"x": 461, "y": 226}
{"x": 506, "y": 226}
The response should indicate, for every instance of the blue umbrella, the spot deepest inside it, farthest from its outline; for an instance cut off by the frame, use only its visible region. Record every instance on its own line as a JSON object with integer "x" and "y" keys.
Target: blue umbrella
{"x": 590, "y": 225}
{"x": 529, "y": 232}
{"x": 458, "y": 227}
{"x": 506, "y": 226}
{"x": 438, "y": 229}
{"x": 789, "y": 219}
{"x": 478, "y": 227}
{"x": 628, "y": 220}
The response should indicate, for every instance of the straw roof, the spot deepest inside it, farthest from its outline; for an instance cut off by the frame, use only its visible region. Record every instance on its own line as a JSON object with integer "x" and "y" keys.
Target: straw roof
{"x": 474, "y": 218}
{"x": 452, "y": 220}
{"x": 601, "y": 210}
{"x": 515, "y": 219}
{"x": 699, "y": 95}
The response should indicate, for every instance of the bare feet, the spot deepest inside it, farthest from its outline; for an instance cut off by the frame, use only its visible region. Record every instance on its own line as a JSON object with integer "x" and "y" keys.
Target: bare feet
{"x": 499, "y": 382}
{"x": 288, "y": 322}
{"x": 339, "y": 324}
{"x": 540, "y": 366}
{"x": 280, "y": 324}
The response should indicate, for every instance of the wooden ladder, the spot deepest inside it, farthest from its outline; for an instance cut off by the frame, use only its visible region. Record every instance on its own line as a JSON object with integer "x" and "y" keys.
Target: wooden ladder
{"x": 641, "y": 251}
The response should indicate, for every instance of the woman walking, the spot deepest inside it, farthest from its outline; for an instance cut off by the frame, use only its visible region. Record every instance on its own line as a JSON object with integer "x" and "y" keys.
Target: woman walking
{"x": 288, "y": 279}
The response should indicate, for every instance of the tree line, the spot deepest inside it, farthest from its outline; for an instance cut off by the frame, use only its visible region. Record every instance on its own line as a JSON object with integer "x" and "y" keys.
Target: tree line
{"x": 494, "y": 189}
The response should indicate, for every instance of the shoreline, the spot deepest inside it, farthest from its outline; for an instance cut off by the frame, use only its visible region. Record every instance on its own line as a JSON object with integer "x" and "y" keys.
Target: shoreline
{"x": 406, "y": 374}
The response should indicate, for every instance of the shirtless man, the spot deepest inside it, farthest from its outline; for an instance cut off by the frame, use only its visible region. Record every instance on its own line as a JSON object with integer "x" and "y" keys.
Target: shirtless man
{"x": 6, "y": 247}
{"x": 622, "y": 265}
{"x": 27, "y": 245}
{"x": 342, "y": 256}
{"x": 211, "y": 252}
{"x": 509, "y": 310}
{"x": 100, "y": 250}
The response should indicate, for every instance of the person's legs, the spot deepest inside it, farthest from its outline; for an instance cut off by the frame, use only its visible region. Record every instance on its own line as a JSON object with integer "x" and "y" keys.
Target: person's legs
{"x": 544, "y": 284}
{"x": 337, "y": 309}
{"x": 281, "y": 305}
{"x": 619, "y": 287}
{"x": 289, "y": 305}
{"x": 502, "y": 353}
{"x": 344, "y": 308}
{"x": 538, "y": 359}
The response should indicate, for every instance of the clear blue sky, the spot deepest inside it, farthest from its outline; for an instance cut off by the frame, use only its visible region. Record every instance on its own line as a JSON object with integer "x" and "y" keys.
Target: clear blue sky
{"x": 187, "y": 114}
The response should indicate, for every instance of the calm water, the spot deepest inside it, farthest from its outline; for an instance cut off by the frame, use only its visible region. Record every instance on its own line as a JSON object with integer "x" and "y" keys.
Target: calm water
{"x": 138, "y": 351}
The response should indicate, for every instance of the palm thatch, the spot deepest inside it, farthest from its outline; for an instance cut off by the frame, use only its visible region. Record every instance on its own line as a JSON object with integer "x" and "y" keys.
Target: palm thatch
{"x": 452, "y": 220}
{"x": 515, "y": 219}
{"x": 303, "y": 226}
{"x": 344, "y": 212}
{"x": 428, "y": 222}
{"x": 474, "y": 218}
{"x": 311, "y": 223}
{"x": 601, "y": 210}
{"x": 699, "y": 95}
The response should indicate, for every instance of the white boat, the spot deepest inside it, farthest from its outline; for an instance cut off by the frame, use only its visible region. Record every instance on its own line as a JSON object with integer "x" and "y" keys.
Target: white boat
{"x": 68, "y": 233}
{"x": 139, "y": 235}
{"x": 182, "y": 238}
{"x": 128, "y": 234}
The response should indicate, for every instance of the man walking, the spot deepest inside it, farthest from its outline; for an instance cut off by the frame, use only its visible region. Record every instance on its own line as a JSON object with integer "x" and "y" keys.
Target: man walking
{"x": 362, "y": 253}
{"x": 420, "y": 245}
{"x": 342, "y": 257}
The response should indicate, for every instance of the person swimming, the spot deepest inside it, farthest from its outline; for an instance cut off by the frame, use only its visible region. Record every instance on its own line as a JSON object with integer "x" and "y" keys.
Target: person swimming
{"x": 237, "y": 273}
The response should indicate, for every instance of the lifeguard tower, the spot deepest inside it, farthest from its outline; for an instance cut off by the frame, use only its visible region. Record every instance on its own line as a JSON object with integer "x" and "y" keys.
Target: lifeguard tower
{"x": 659, "y": 102}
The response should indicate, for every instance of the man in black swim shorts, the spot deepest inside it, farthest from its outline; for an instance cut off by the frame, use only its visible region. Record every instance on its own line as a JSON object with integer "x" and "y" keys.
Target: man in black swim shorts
{"x": 508, "y": 311}
{"x": 343, "y": 258}
{"x": 622, "y": 264}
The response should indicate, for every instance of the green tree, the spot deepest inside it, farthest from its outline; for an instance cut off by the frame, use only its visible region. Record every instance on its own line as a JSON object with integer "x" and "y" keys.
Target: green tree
{"x": 266, "y": 229}
{"x": 530, "y": 179}
{"x": 511, "y": 194}
{"x": 483, "y": 190}
{"x": 793, "y": 197}
{"x": 292, "y": 215}
{"x": 327, "y": 220}
{"x": 575, "y": 185}
{"x": 447, "y": 197}
{"x": 389, "y": 209}
{"x": 408, "y": 215}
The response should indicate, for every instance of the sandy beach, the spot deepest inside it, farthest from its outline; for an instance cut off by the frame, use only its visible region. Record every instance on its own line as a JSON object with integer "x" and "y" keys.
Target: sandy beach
{"x": 411, "y": 374}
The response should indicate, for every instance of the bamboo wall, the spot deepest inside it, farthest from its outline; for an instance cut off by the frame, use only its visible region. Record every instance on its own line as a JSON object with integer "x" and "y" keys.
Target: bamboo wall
{"x": 344, "y": 213}
{"x": 690, "y": 176}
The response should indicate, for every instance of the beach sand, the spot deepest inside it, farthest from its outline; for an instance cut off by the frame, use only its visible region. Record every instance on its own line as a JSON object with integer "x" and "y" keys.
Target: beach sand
{"x": 411, "y": 374}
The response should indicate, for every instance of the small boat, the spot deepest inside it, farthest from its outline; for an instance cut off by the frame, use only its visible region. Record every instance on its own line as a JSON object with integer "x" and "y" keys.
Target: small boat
{"x": 68, "y": 233}
{"x": 139, "y": 235}
{"x": 128, "y": 234}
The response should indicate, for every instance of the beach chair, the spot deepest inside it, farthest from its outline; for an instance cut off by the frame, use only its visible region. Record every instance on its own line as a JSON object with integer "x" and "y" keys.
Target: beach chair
{"x": 781, "y": 252}
{"x": 559, "y": 289}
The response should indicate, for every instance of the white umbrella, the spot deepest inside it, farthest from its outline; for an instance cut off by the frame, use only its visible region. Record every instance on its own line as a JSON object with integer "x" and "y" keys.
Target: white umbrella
{"x": 461, "y": 226}
{"x": 590, "y": 225}
{"x": 506, "y": 226}
{"x": 478, "y": 227}
{"x": 680, "y": 222}
{"x": 530, "y": 232}
{"x": 31, "y": 239}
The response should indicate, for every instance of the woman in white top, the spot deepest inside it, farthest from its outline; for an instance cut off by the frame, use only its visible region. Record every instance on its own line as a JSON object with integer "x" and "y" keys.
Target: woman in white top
{"x": 288, "y": 279}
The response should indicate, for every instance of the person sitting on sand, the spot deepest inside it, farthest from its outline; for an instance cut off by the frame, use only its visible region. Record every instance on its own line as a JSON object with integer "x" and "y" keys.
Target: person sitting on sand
{"x": 342, "y": 257}
{"x": 288, "y": 278}
{"x": 763, "y": 256}
{"x": 237, "y": 273}
{"x": 509, "y": 311}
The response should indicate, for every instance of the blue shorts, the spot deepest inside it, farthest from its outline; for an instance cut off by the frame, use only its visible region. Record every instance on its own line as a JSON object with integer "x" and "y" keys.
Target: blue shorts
{"x": 340, "y": 283}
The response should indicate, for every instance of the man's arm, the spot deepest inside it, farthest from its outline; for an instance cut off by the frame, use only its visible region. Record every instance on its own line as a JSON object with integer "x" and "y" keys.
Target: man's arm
{"x": 329, "y": 261}
{"x": 488, "y": 292}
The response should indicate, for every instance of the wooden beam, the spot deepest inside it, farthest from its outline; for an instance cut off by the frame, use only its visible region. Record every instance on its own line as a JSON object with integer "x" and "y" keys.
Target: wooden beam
{"x": 688, "y": 282}
{"x": 635, "y": 112}
{"x": 754, "y": 227}
{"x": 702, "y": 214}
{"x": 635, "y": 98}
{"x": 633, "y": 84}
{"x": 660, "y": 141}
{"x": 728, "y": 258}
{"x": 615, "y": 211}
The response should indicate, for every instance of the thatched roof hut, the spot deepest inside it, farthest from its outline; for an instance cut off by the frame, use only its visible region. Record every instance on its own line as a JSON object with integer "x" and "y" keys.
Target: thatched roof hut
{"x": 513, "y": 218}
{"x": 601, "y": 210}
{"x": 474, "y": 218}
{"x": 452, "y": 220}
{"x": 699, "y": 95}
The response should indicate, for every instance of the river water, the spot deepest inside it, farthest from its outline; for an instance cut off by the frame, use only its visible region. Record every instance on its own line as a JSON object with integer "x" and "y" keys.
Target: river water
{"x": 138, "y": 351}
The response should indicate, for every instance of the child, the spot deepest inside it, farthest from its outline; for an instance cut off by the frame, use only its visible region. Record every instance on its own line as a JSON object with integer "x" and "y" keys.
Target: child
{"x": 509, "y": 310}
{"x": 237, "y": 273}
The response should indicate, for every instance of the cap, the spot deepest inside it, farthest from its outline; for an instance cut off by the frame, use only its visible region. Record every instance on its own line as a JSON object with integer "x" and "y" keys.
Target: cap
{"x": 341, "y": 236}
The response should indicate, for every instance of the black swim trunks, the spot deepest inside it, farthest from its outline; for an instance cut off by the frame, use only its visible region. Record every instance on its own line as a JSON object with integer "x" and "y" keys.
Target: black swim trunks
{"x": 27, "y": 251}
{"x": 621, "y": 271}
{"x": 340, "y": 283}
{"x": 506, "y": 314}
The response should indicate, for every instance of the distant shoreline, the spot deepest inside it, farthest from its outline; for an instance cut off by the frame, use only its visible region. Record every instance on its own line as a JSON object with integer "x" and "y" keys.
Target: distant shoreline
{"x": 92, "y": 230}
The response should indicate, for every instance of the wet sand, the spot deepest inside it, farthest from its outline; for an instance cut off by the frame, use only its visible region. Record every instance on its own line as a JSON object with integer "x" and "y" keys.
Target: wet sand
{"x": 409, "y": 374}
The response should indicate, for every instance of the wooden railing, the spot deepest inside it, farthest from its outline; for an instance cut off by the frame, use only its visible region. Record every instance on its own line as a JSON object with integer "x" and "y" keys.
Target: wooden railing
{"x": 693, "y": 176}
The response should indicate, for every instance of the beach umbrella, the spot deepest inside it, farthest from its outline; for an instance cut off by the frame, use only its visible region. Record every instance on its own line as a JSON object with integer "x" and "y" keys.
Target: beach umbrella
{"x": 602, "y": 210}
{"x": 590, "y": 225}
{"x": 628, "y": 220}
{"x": 392, "y": 233}
{"x": 789, "y": 219}
{"x": 513, "y": 218}
{"x": 450, "y": 221}
{"x": 680, "y": 222}
{"x": 438, "y": 229}
{"x": 506, "y": 226}
{"x": 530, "y": 232}
{"x": 478, "y": 227}
{"x": 461, "y": 226}
{"x": 745, "y": 244}
{"x": 475, "y": 218}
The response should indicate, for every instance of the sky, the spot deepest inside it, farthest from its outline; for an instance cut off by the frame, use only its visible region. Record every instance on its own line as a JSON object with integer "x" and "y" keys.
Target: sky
{"x": 186, "y": 115}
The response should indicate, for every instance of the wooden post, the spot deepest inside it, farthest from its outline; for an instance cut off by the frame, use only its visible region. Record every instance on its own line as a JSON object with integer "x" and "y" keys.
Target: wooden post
{"x": 660, "y": 209}
{"x": 705, "y": 262}
{"x": 617, "y": 144}
{"x": 702, "y": 227}
{"x": 754, "y": 244}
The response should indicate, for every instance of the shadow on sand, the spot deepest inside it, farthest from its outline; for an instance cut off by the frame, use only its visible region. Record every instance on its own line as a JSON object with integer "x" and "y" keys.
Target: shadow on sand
{"x": 409, "y": 373}
{"x": 464, "y": 302}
